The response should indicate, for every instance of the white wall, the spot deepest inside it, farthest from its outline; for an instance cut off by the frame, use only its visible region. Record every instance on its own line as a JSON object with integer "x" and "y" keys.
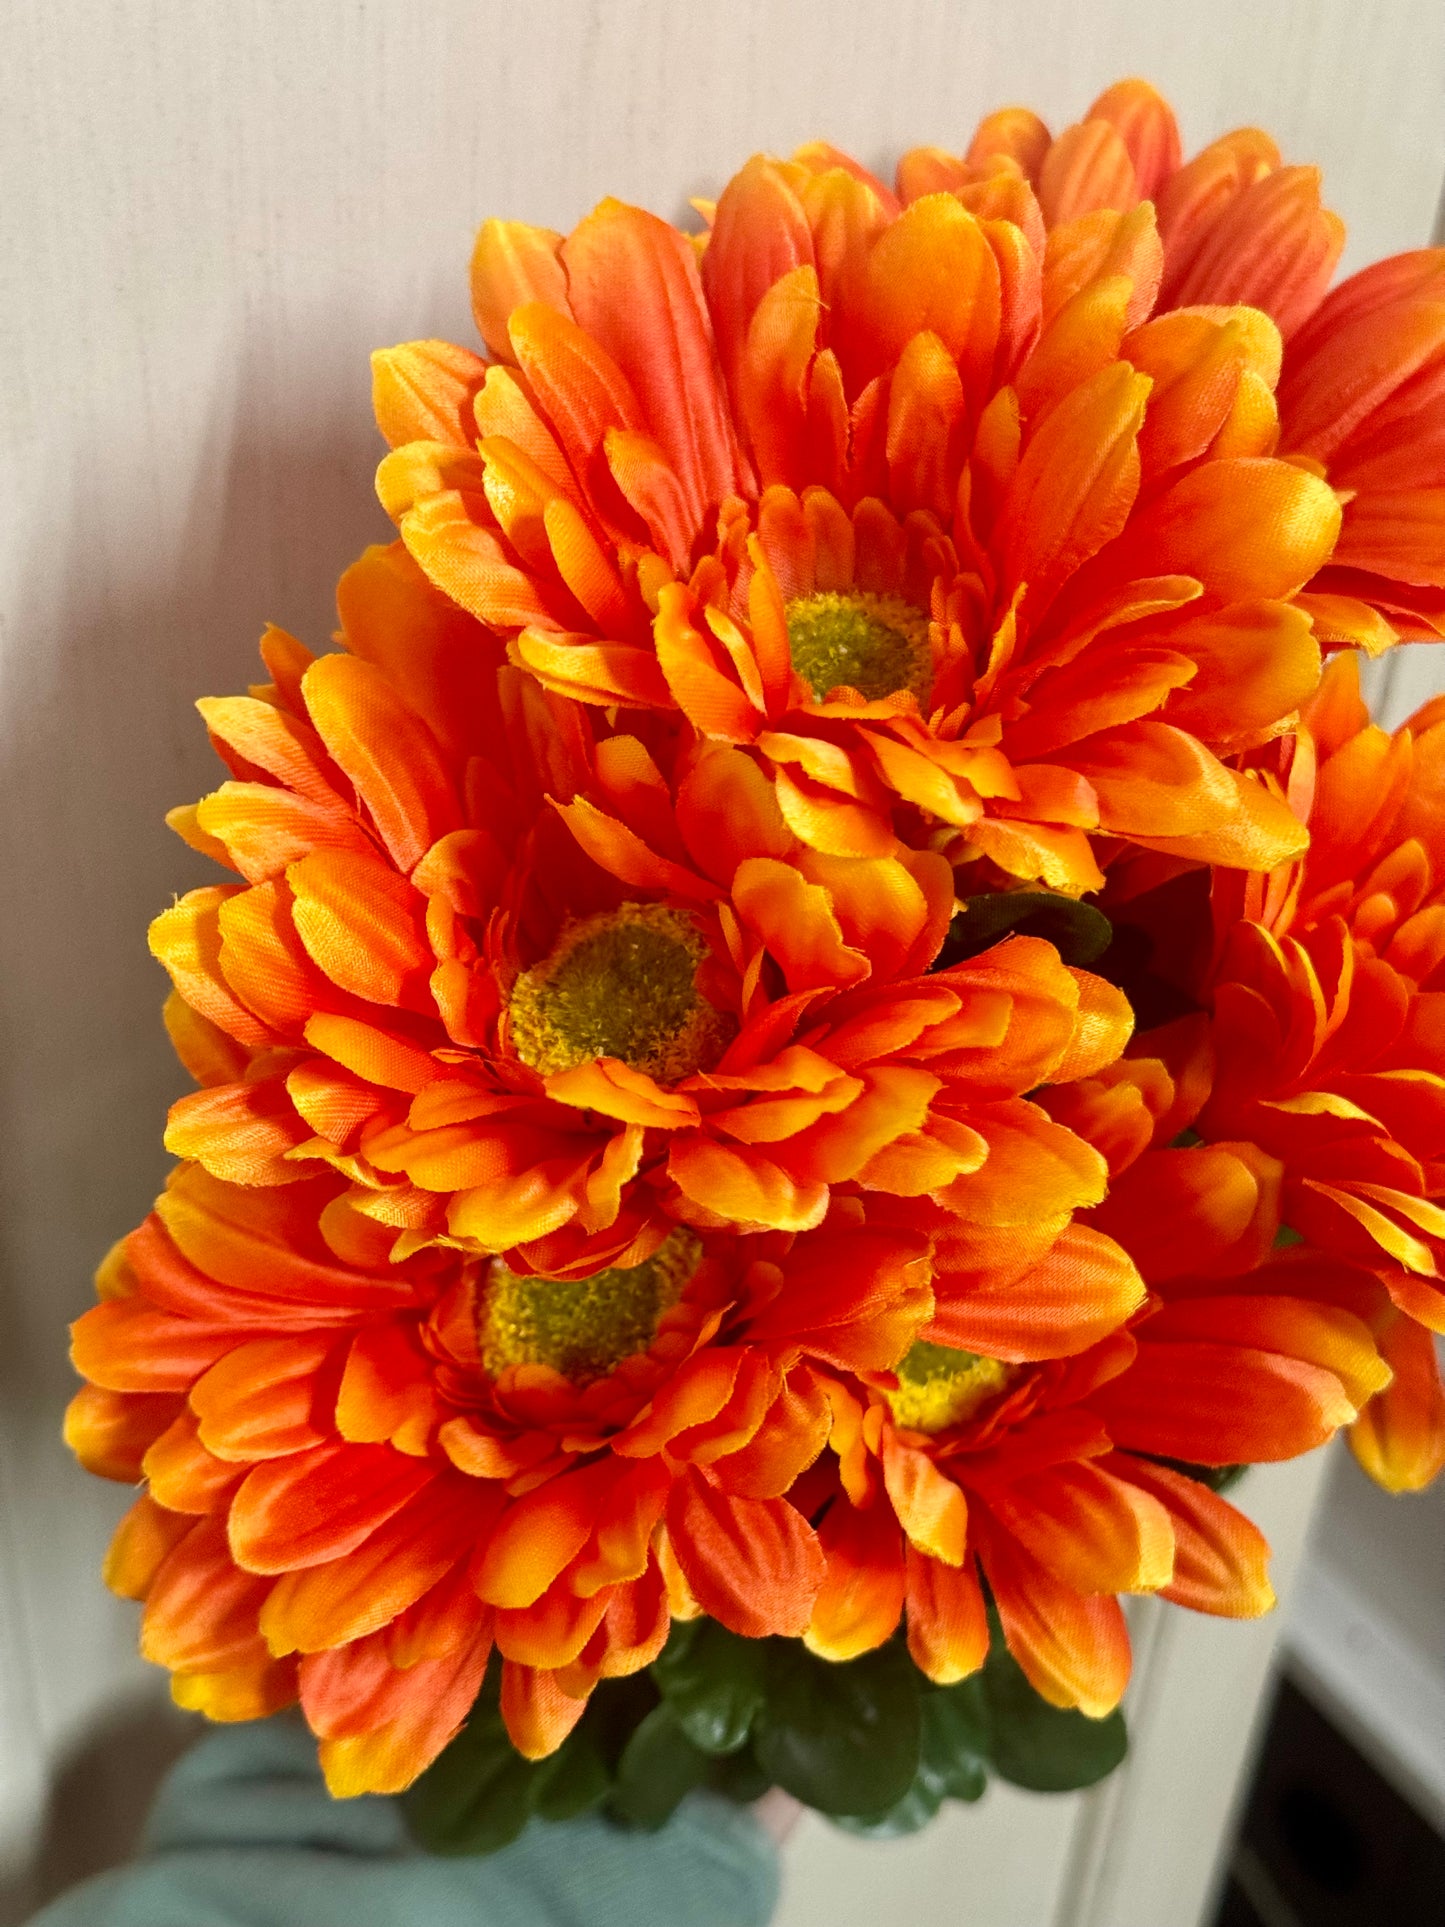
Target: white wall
{"x": 210, "y": 213}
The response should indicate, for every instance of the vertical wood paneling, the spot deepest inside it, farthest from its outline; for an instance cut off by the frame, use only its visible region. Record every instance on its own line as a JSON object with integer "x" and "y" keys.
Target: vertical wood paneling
{"x": 211, "y": 214}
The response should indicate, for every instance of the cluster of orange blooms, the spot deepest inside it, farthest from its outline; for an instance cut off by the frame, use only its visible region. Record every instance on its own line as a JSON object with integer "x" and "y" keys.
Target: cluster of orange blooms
{"x": 607, "y": 1197}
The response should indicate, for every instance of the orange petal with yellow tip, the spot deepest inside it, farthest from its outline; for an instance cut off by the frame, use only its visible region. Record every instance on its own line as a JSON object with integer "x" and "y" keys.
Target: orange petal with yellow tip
{"x": 539, "y": 1715}
{"x": 1222, "y": 1403}
{"x": 111, "y": 1432}
{"x": 853, "y": 1297}
{"x": 585, "y": 566}
{"x": 789, "y": 1440}
{"x": 590, "y": 672}
{"x": 420, "y": 477}
{"x": 393, "y": 618}
{"x": 926, "y": 409}
{"x": 1244, "y": 528}
{"x": 1100, "y": 246}
{"x": 1083, "y": 1288}
{"x": 859, "y": 1602}
{"x": 380, "y": 1728}
{"x": 386, "y": 1393}
{"x": 1093, "y": 1532}
{"x": 779, "y": 350}
{"x": 201, "y": 1610}
{"x": 1342, "y": 619}
{"x": 1087, "y": 167}
{"x": 1103, "y": 1025}
{"x": 1075, "y": 484}
{"x": 930, "y": 170}
{"x": 539, "y": 1534}
{"x": 1227, "y": 1194}
{"x": 258, "y": 1401}
{"x": 319, "y": 1504}
{"x": 252, "y": 1691}
{"x": 754, "y": 1564}
{"x": 362, "y": 924}
{"x": 241, "y": 1133}
{"x": 1256, "y": 662}
{"x": 947, "y": 1618}
{"x": 1145, "y": 122}
{"x": 1014, "y": 133}
{"x": 1221, "y": 1560}
{"x": 262, "y": 1244}
{"x": 933, "y": 270}
{"x": 930, "y": 1507}
{"x": 183, "y": 1475}
{"x": 633, "y": 284}
{"x": 759, "y": 234}
{"x": 388, "y": 753}
{"x": 1272, "y": 247}
{"x": 254, "y": 736}
{"x": 795, "y": 920}
{"x": 345, "y": 1599}
{"x": 1074, "y": 1650}
{"x": 186, "y": 939}
{"x": 473, "y": 566}
{"x": 1061, "y": 859}
{"x": 513, "y": 264}
{"x": 1399, "y": 1438}
{"x": 553, "y": 1630}
{"x": 422, "y": 392}
{"x": 143, "y": 1541}
{"x": 744, "y": 1188}
{"x": 693, "y": 663}
{"x": 259, "y": 829}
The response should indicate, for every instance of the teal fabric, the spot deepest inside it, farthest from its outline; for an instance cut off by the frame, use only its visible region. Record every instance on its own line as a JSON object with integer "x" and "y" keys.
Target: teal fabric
{"x": 244, "y": 1834}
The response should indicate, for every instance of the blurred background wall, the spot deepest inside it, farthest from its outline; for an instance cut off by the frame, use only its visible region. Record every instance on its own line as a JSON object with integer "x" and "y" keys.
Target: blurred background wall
{"x": 210, "y": 215}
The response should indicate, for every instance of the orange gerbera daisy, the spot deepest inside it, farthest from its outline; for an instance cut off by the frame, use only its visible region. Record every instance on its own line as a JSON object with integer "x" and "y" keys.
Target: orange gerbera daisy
{"x": 1053, "y": 1483}
{"x": 1320, "y": 1064}
{"x": 1054, "y": 1479}
{"x": 557, "y": 1027}
{"x": 1362, "y": 393}
{"x": 952, "y": 537}
{"x": 363, "y": 1473}
{"x": 1353, "y": 1100}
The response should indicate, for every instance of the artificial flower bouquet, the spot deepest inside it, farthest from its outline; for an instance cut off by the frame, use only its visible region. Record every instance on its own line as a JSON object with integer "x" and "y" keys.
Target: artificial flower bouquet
{"x": 821, "y": 1017}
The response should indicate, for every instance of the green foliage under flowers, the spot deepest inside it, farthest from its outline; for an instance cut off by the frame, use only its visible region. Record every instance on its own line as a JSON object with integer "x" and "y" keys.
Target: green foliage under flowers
{"x": 870, "y": 1743}
{"x": 1078, "y": 931}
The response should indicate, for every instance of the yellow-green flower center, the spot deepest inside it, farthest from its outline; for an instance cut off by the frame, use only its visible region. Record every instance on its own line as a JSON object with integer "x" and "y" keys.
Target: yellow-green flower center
{"x": 939, "y": 1387}
{"x": 875, "y": 644}
{"x": 583, "y": 1327}
{"x": 624, "y": 985}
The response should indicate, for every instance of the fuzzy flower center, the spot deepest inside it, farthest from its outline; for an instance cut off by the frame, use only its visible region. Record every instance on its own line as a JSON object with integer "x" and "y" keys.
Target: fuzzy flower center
{"x": 939, "y": 1387}
{"x": 624, "y": 985}
{"x": 876, "y": 644}
{"x": 583, "y": 1327}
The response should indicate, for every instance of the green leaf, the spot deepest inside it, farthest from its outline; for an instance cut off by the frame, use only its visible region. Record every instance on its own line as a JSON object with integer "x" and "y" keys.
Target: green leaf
{"x": 737, "y": 1776}
{"x": 843, "y": 1738}
{"x": 1219, "y": 1478}
{"x": 1047, "y": 1749}
{"x": 659, "y": 1766}
{"x": 951, "y": 1764}
{"x": 1078, "y": 931}
{"x": 911, "y": 1814}
{"x": 477, "y": 1795}
{"x": 715, "y": 1682}
{"x": 954, "y": 1752}
{"x": 575, "y": 1779}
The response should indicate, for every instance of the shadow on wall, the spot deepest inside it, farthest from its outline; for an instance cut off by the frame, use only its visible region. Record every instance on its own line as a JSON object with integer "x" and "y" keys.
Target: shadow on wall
{"x": 100, "y": 1794}
{"x": 149, "y": 589}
